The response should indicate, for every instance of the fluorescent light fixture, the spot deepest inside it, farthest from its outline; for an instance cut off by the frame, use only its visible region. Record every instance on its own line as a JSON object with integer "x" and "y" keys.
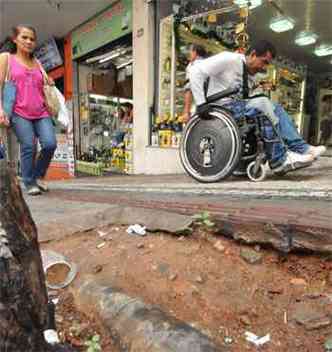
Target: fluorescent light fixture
{"x": 282, "y": 24}
{"x": 306, "y": 38}
{"x": 323, "y": 50}
{"x": 250, "y": 3}
{"x": 114, "y": 55}
{"x": 110, "y": 57}
{"x": 125, "y": 64}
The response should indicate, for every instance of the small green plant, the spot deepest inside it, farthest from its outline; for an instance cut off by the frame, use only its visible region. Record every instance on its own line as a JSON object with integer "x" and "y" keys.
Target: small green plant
{"x": 203, "y": 219}
{"x": 93, "y": 344}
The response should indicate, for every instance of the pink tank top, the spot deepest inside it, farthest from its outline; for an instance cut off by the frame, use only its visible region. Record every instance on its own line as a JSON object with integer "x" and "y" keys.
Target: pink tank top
{"x": 30, "y": 102}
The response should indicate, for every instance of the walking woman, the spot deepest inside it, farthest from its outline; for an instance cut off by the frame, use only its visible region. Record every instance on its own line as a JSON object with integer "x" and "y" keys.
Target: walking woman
{"x": 31, "y": 121}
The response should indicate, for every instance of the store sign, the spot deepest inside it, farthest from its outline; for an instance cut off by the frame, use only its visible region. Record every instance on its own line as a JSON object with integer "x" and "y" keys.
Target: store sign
{"x": 48, "y": 54}
{"x": 111, "y": 24}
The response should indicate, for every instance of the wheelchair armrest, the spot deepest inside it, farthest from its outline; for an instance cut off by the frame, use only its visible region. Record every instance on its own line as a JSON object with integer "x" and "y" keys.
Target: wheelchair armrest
{"x": 212, "y": 98}
{"x": 223, "y": 94}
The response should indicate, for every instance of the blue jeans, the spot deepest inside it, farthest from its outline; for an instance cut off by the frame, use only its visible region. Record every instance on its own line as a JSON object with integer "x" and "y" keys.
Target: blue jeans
{"x": 276, "y": 151}
{"x": 288, "y": 131}
{"x": 27, "y": 133}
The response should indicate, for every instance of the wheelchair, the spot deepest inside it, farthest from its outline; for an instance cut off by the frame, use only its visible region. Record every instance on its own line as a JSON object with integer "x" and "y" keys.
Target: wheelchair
{"x": 215, "y": 146}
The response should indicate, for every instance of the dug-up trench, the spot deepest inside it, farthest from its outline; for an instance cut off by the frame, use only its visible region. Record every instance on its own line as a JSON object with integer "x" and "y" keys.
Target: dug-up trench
{"x": 220, "y": 287}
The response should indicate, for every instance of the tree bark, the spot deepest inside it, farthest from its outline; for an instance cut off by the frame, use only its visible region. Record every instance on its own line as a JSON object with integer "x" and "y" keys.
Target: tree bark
{"x": 23, "y": 294}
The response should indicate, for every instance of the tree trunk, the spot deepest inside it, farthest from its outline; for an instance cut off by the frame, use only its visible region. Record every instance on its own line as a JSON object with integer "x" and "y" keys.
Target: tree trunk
{"x": 23, "y": 295}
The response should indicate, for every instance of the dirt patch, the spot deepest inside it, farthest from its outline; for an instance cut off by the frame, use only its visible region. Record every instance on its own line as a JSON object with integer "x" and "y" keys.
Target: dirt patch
{"x": 79, "y": 329}
{"x": 202, "y": 279}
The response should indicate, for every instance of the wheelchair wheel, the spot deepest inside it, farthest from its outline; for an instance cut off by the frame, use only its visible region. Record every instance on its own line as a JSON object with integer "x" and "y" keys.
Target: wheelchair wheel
{"x": 258, "y": 175}
{"x": 211, "y": 146}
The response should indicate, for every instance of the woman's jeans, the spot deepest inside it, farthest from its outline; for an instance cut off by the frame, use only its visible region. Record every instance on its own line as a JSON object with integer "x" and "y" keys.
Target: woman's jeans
{"x": 27, "y": 133}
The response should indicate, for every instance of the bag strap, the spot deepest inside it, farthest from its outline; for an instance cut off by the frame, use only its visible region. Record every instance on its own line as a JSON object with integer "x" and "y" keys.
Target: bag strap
{"x": 245, "y": 84}
{"x": 7, "y": 76}
{"x": 45, "y": 76}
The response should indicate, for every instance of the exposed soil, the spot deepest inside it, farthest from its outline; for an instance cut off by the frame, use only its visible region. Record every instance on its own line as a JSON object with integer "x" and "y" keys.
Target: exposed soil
{"x": 214, "y": 289}
{"x": 77, "y": 328}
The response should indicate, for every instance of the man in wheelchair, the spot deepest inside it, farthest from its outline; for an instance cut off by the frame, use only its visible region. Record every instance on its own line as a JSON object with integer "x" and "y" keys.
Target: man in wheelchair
{"x": 229, "y": 71}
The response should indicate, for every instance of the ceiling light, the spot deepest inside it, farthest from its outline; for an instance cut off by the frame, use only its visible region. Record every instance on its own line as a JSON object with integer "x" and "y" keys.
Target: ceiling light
{"x": 125, "y": 64}
{"x": 323, "y": 50}
{"x": 250, "y": 3}
{"x": 306, "y": 38}
{"x": 282, "y": 24}
{"x": 110, "y": 57}
{"x": 114, "y": 55}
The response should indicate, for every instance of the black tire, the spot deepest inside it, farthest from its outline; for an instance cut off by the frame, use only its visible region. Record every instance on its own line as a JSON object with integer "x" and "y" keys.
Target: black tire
{"x": 220, "y": 128}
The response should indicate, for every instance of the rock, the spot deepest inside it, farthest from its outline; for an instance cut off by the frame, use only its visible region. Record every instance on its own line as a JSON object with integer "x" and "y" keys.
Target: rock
{"x": 163, "y": 268}
{"x": 244, "y": 319}
{"x": 257, "y": 248}
{"x": 199, "y": 279}
{"x": 58, "y": 318}
{"x": 275, "y": 290}
{"x": 172, "y": 277}
{"x": 251, "y": 256}
{"x": 194, "y": 290}
{"x": 97, "y": 269}
{"x": 317, "y": 323}
{"x": 311, "y": 318}
{"x": 219, "y": 246}
{"x": 298, "y": 282}
{"x": 140, "y": 245}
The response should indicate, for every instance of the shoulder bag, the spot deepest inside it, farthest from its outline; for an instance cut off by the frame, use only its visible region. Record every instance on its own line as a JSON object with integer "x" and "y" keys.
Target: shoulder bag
{"x": 50, "y": 95}
{"x": 8, "y": 92}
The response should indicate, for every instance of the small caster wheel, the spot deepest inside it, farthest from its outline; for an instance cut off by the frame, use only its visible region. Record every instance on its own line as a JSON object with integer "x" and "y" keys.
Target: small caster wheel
{"x": 256, "y": 176}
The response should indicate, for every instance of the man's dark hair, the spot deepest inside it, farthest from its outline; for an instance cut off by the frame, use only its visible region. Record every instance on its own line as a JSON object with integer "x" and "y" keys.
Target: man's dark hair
{"x": 199, "y": 50}
{"x": 262, "y": 47}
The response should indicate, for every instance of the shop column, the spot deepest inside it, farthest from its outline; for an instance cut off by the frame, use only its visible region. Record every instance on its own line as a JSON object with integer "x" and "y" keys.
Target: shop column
{"x": 143, "y": 42}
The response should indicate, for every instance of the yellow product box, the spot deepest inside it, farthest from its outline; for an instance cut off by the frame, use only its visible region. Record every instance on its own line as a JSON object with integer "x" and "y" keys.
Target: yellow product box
{"x": 165, "y": 138}
{"x": 129, "y": 155}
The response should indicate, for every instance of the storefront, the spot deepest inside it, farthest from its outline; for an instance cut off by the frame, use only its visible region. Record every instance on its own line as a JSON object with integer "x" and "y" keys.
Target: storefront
{"x": 52, "y": 55}
{"x": 216, "y": 31}
{"x": 103, "y": 56}
{"x": 231, "y": 25}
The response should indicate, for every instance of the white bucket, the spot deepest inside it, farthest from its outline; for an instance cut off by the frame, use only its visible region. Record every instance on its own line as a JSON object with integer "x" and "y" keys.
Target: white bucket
{"x": 51, "y": 259}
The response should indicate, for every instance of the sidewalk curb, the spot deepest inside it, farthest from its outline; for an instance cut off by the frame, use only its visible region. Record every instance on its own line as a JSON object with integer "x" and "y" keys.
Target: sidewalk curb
{"x": 324, "y": 194}
{"x": 138, "y": 327}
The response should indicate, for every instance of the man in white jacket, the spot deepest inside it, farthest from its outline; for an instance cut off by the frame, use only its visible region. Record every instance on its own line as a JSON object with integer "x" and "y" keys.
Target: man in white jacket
{"x": 229, "y": 70}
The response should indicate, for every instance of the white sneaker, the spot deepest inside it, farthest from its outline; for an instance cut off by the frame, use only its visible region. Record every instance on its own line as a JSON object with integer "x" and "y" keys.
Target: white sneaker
{"x": 42, "y": 185}
{"x": 294, "y": 161}
{"x": 33, "y": 191}
{"x": 316, "y": 152}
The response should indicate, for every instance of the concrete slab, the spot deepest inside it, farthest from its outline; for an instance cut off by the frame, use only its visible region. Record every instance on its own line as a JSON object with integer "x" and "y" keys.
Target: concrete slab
{"x": 314, "y": 182}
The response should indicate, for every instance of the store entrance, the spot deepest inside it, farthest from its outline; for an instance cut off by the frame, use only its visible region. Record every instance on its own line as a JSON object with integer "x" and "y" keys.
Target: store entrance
{"x": 106, "y": 111}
